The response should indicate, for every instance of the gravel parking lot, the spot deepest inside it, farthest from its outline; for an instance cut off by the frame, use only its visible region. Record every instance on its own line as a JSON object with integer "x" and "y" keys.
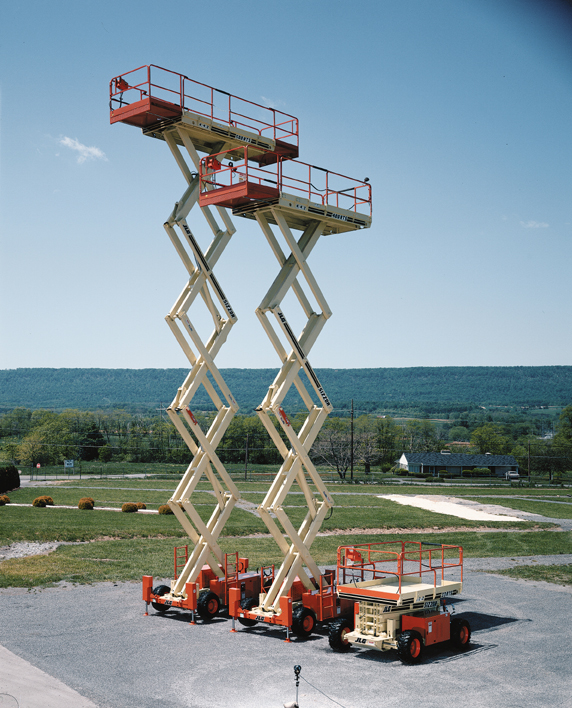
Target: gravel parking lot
{"x": 97, "y": 640}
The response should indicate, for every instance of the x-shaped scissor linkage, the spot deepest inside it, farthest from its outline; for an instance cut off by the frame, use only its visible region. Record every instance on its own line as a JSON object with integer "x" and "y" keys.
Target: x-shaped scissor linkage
{"x": 201, "y": 355}
{"x": 297, "y": 462}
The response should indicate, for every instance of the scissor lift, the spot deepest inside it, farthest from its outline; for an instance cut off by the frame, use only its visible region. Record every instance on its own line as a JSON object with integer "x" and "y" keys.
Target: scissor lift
{"x": 260, "y": 181}
{"x": 198, "y": 118}
{"x": 399, "y": 590}
{"x": 290, "y": 195}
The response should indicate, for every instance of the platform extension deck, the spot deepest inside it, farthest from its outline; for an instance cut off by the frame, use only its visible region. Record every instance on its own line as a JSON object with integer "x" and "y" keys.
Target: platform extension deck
{"x": 390, "y": 590}
{"x": 299, "y": 214}
{"x": 210, "y": 136}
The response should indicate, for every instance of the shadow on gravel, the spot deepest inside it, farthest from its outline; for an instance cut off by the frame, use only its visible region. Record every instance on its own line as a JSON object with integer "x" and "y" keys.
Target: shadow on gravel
{"x": 435, "y": 654}
{"x": 481, "y": 622}
{"x": 177, "y": 616}
{"x": 266, "y": 630}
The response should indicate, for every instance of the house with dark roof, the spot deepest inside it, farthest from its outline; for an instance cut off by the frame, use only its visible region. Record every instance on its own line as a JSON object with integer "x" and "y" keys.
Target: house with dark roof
{"x": 455, "y": 463}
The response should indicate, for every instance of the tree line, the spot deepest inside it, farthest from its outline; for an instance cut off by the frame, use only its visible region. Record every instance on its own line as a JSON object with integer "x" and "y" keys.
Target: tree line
{"x": 29, "y": 437}
{"x": 428, "y": 388}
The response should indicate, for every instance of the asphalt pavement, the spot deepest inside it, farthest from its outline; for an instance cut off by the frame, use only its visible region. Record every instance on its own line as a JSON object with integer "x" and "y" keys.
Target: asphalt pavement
{"x": 95, "y": 641}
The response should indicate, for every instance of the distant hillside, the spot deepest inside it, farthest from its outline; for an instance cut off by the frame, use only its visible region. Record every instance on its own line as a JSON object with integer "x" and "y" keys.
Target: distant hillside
{"x": 369, "y": 388}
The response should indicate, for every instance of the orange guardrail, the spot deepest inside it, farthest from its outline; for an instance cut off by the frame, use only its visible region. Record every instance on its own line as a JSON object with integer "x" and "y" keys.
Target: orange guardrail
{"x": 376, "y": 560}
{"x": 165, "y": 86}
{"x": 242, "y": 178}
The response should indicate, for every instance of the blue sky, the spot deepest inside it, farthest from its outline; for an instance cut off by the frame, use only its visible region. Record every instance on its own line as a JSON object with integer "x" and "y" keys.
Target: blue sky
{"x": 458, "y": 111}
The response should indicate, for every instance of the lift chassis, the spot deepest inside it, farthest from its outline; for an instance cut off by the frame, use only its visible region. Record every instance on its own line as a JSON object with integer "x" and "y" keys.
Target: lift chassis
{"x": 400, "y": 590}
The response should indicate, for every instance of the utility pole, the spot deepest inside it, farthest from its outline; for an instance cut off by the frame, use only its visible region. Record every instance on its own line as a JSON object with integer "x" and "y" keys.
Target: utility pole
{"x": 246, "y": 458}
{"x": 352, "y": 444}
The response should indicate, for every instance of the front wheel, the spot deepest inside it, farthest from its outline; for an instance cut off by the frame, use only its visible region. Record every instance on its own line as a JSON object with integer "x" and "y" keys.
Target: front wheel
{"x": 303, "y": 622}
{"x": 160, "y": 590}
{"x": 337, "y": 635}
{"x": 247, "y": 604}
{"x": 208, "y": 605}
{"x": 460, "y": 633}
{"x": 410, "y": 647}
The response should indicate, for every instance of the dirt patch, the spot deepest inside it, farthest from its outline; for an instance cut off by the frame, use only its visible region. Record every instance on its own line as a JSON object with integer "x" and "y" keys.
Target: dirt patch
{"x": 399, "y": 531}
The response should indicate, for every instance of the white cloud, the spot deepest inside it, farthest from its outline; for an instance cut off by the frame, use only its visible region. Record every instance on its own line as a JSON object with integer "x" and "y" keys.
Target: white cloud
{"x": 85, "y": 153}
{"x": 534, "y": 224}
{"x": 269, "y": 103}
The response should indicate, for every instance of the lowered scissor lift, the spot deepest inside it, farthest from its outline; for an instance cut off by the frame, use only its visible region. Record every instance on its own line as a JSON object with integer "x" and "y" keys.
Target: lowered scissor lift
{"x": 400, "y": 589}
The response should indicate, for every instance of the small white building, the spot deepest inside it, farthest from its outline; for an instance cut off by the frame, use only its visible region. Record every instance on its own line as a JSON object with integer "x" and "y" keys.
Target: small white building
{"x": 455, "y": 463}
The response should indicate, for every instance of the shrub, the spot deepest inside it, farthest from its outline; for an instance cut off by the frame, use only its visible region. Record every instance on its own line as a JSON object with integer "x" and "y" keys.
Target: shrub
{"x": 140, "y": 505}
{"x": 4, "y": 499}
{"x": 9, "y": 479}
{"x": 44, "y": 500}
{"x": 85, "y": 503}
{"x": 165, "y": 509}
{"x": 129, "y": 508}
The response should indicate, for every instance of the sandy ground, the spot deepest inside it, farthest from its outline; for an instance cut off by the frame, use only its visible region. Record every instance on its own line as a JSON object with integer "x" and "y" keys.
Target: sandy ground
{"x": 462, "y": 508}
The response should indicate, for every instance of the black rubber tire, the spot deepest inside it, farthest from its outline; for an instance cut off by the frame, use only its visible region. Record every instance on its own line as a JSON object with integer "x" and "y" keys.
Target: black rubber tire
{"x": 208, "y": 605}
{"x": 247, "y": 604}
{"x": 460, "y": 633}
{"x": 160, "y": 590}
{"x": 337, "y": 631}
{"x": 303, "y": 621}
{"x": 410, "y": 647}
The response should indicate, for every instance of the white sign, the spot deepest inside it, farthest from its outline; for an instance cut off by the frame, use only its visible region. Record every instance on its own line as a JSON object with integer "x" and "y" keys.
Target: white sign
{"x": 68, "y": 463}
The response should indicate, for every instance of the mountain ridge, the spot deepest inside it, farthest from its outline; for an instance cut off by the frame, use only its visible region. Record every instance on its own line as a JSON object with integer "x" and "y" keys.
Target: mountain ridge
{"x": 370, "y": 389}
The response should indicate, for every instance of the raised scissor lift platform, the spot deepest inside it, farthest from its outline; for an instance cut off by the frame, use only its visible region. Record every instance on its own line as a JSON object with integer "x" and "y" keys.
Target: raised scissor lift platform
{"x": 163, "y": 102}
{"x": 303, "y": 194}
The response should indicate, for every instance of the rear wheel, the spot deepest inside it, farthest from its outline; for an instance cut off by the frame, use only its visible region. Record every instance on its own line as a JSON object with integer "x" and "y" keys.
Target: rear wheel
{"x": 460, "y": 633}
{"x": 303, "y": 621}
{"x": 208, "y": 605}
{"x": 410, "y": 647}
{"x": 160, "y": 590}
{"x": 247, "y": 604}
{"x": 337, "y": 635}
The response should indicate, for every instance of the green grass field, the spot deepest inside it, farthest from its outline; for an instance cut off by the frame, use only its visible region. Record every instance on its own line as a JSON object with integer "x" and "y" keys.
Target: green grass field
{"x": 557, "y": 574}
{"x": 120, "y": 547}
{"x": 549, "y": 509}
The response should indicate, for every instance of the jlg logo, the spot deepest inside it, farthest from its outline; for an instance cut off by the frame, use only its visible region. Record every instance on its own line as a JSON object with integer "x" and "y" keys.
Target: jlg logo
{"x": 360, "y": 640}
